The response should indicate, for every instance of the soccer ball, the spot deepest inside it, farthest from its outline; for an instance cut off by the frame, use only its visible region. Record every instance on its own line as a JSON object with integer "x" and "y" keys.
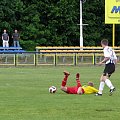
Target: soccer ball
{"x": 52, "y": 89}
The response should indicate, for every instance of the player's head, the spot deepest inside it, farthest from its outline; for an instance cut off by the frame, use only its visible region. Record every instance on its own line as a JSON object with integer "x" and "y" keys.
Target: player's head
{"x": 15, "y": 30}
{"x": 4, "y": 30}
{"x": 90, "y": 84}
{"x": 104, "y": 43}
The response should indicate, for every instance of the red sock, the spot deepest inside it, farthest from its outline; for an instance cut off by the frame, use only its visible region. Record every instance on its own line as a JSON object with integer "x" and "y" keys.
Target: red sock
{"x": 64, "y": 80}
{"x": 78, "y": 83}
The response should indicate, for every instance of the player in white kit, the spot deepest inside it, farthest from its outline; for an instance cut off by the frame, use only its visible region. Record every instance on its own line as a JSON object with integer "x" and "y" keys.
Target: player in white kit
{"x": 110, "y": 60}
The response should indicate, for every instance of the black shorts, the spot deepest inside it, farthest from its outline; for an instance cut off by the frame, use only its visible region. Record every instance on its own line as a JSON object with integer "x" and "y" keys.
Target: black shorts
{"x": 109, "y": 69}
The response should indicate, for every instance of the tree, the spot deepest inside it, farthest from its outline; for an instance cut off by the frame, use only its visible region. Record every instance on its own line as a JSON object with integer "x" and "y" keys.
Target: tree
{"x": 10, "y": 15}
{"x": 55, "y": 22}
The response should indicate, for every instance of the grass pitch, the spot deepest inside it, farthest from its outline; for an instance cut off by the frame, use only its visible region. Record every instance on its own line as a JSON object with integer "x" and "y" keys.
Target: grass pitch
{"x": 24, "y": 95}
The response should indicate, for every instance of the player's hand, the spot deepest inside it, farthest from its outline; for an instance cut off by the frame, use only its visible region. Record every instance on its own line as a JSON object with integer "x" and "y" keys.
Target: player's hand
{"x": 100, "y": 63}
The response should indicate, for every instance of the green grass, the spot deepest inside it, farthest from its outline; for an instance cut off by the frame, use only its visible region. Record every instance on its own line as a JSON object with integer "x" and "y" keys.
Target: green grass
{"x": 24, "y": 95}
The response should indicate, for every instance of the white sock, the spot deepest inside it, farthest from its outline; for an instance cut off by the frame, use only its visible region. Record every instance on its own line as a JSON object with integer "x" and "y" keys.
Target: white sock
{"x": 101, "y": 87}
{"x": 109, "y": 84}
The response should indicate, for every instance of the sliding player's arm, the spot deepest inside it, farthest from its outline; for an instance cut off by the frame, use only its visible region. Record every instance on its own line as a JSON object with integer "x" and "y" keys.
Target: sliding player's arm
{"x": 94, "y": 90}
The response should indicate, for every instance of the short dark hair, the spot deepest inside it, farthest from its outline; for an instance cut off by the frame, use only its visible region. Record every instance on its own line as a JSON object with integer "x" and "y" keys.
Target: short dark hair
{"x": 104, "y": 42}
{"x": 90, "y": 84}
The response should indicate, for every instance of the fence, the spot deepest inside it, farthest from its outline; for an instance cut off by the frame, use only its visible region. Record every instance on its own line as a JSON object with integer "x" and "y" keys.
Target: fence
{"x": 39, "y": 58}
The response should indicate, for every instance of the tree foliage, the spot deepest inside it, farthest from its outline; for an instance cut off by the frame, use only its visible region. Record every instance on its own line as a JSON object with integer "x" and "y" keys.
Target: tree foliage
{"x": 55, "y": 22}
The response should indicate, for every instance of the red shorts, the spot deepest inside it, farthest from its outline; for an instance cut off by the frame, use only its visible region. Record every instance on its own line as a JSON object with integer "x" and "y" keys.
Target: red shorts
{"x": 73, "y": 90}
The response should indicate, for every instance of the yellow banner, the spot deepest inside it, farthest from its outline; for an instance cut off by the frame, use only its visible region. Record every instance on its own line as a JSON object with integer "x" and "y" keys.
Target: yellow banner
{"x": 112, "y": 11}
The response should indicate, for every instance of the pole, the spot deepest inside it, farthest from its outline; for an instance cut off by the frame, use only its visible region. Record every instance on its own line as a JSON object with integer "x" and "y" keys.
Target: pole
{"x": 113, "y": 41}
{"x": 81, "y": 26}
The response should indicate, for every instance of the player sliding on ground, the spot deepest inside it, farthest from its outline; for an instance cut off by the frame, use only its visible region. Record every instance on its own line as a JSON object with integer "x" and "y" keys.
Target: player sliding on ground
{"x": 79, "y": 89}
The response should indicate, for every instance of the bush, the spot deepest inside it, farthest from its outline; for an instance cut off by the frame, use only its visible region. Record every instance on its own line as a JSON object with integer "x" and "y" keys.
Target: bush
{"x": 28, "y": 45}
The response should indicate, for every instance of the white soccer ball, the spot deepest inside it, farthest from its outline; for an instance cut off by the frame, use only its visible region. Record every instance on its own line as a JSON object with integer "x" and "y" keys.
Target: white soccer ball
{"x": 52, "y": 89}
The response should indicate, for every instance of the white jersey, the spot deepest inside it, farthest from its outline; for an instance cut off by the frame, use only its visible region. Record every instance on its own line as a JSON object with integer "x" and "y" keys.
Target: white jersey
{"x": 109, "y": 52}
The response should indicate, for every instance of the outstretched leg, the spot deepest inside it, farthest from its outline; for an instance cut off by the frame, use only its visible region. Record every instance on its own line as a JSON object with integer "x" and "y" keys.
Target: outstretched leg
{"x": 78, "y": 80}
{"x": 105, "y": 80}
{"x": 79, "y": 86}
{"x": 64, "y": 81}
